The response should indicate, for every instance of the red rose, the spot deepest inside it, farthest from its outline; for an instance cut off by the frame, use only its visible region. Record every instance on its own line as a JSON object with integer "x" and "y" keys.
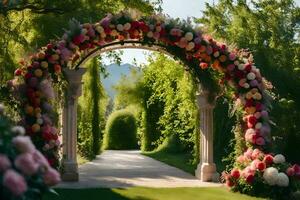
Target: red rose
{"x": 252, "y": 119}
{"x": 248, "y": 67}
{"x": 49, "y": 46}
{"x": 18, "y": 72}
{"x": 235, "y": 173}
{"x": 250, "y": 178}
{"x": 229, "y": 183}
{"x": 203, "y": 65}
{"x": 261, "y": 166}
{"x": 47, "y": 136}
{"x": 268, "y": 159}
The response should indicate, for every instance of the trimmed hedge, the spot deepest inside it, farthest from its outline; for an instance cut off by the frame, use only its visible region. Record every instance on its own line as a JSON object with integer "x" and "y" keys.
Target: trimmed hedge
{"x": 120, "y": 131}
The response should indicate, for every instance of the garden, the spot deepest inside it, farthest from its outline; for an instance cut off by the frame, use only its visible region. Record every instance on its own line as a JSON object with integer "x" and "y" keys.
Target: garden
{"x": 217, "y": 97}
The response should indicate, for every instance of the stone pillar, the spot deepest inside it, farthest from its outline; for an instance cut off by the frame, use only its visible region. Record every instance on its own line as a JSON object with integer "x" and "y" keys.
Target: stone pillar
{"x": 206, "y": 169}
{"x": 69, "y": 124}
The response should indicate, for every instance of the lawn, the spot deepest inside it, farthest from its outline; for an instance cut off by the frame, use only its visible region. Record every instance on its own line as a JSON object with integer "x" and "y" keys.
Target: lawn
{"x": 178, "y": 160}
{"x": 138, "y": 193}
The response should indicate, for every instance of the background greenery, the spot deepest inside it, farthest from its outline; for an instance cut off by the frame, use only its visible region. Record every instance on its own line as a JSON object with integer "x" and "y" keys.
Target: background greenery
{"x": 120, "y": 131}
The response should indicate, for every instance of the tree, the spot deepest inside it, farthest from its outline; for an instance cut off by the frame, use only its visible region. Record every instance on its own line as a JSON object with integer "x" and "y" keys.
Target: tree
{"x": 270, "y": 29}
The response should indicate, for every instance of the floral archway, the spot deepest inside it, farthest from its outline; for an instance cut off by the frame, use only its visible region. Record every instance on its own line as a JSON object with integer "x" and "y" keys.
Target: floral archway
{"x": 206, "y": 59}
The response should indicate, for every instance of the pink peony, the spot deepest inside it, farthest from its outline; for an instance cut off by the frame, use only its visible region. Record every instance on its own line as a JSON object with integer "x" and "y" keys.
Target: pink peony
{"x": 51, "y": 177}
{"x": 23, "y": 144}
{"x": 14, "y": 182}
{"x": 290, "y": 171}
{"x": 256, "y": 154}
{"x": 26, "y": 164}
{"x": 40, "y": 159}
{"x": 4, "y": 163}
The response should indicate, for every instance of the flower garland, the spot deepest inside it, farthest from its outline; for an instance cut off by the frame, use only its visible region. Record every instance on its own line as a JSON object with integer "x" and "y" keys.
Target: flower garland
{"x": 34, "y": 78}
{"x": 24, "y": 171}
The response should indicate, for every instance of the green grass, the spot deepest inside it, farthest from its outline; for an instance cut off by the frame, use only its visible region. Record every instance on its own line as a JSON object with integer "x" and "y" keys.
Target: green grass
{"x": 138, "y": 193}
{"x": 179, "y": 160}
{"x": 81, "y": 160}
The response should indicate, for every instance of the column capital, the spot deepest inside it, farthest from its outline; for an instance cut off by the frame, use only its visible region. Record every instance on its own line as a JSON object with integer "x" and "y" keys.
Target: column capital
{"x": 202, "y": 98}
{"x": 74, "y": 78}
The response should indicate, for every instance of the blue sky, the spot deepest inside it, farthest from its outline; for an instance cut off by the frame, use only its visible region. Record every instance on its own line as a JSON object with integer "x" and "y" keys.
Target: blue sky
{"x": 174, "y": 8}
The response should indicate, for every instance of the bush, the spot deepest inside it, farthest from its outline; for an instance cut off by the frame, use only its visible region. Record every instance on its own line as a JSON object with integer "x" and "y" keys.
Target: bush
{"x": 120, "y": 131}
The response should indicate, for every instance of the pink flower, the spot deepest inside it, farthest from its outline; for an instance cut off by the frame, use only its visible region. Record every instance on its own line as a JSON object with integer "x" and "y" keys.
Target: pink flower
{"x": 235, "y": 173}
{"x": 14, "y": 182}
{"x": 256, "y": 154}
{"x": 232, "y": 56}
{"x": 4, "y": 163}
{"x": 248, "y": 153}
{"x": 51, "y": 177}
{"x": 26, "y": 164}
{"x": 40, "y": 159}
{"x": 260, "y": 141}
{"x": 23, "y": 144}
{"x": 290, "y": 171}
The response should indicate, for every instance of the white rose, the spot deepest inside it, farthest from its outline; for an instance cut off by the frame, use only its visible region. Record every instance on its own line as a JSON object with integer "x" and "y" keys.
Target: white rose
{"x": 258, "y": 125}
{"x": 40, "y": 121}
{"x": 120, "y": 27}
{"x": 216, "y": 54}
{"x": 150, "y": 34}
{"x": 246, "y": 85}
{"x": 241, "y": 66}
{"x": 236, "y": 63}
{"x": 84, "y": 31}
{"x": 279, "y": 158}
{"x": 189, "y": 36}
{"x": 19, "y": 130}
{"x": 127, "y": 26}
{"x": 99, "y": 29}
{"x": 190, "y": 46}
{"x": 271, "y": 175}
{"x": 251, "y": 76}
{"x": 282, "y": 180}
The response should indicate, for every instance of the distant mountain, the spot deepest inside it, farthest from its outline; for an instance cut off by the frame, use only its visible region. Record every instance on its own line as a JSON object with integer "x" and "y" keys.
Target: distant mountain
{"x": 115, "y": 73}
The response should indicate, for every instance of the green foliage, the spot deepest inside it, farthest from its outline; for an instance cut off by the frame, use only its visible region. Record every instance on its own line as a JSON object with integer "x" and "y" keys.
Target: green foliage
{"x": 120, "y": 131}
{"x": 270, "y": 29}
{"x": 166, "y": 96}
{"x": 91, "y": 112}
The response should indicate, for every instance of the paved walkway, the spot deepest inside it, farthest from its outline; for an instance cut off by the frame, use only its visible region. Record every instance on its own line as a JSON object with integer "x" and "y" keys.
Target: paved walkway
{"x": 119, "y": 169}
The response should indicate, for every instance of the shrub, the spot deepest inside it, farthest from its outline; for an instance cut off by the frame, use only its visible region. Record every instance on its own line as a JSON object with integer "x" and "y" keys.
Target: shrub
{"x": 120, "y": 131}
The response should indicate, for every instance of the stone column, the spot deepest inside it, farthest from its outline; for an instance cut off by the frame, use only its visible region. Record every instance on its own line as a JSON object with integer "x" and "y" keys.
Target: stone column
{"x": 206, "y": 169}
{"x": 69, "y": 124}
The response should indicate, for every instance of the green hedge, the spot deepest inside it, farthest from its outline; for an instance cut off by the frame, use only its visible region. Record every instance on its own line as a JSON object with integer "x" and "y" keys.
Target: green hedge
{"x": 120, "y": 131}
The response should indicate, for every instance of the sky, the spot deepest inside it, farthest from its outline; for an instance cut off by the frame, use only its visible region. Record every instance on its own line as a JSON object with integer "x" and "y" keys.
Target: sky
{"x": 176, "y": 9}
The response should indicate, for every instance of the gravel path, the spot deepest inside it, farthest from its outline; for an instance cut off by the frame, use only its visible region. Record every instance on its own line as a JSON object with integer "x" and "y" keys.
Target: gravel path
{"x": 119, "y": 169}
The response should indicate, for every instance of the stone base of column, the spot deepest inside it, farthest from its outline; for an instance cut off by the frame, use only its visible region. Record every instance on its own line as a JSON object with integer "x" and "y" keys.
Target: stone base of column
{"x": 70, "y": 173}
{"x": 70, "y": 177}
{"x": 207, "y": 172}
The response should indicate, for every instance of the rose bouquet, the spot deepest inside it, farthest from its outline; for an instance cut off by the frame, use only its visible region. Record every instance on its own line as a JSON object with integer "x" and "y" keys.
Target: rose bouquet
{"x": 24, "y": 172}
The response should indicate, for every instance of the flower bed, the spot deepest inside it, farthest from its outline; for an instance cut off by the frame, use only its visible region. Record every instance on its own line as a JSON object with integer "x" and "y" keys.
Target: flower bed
{"x": 24, "y": 171}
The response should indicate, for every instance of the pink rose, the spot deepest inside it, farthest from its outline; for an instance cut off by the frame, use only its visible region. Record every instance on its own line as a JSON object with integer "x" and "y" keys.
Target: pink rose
{"x": 14, "y": 182}
{"x": 260, "y": 141}
{"x": 23, "y": 144}
{"x": 40, "y": 159}
{"x": 26, "y": 164}
{"x": 51, "y": 177}
{"x": 4, "y": 163}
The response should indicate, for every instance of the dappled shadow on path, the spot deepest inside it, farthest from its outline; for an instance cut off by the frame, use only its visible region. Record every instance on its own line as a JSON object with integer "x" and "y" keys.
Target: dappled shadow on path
{"x": 121, "y": 169}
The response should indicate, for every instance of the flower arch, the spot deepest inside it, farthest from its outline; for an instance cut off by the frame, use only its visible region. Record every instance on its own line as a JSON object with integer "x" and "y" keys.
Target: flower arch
{"x": 204, "y": 57}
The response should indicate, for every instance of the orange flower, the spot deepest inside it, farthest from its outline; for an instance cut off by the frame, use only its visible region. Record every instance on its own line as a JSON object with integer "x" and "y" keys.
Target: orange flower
{"x": 222, "y": 58}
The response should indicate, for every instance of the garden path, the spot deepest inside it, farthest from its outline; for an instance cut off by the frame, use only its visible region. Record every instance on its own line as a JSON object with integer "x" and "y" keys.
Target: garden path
{"x": 121, "y": 169}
